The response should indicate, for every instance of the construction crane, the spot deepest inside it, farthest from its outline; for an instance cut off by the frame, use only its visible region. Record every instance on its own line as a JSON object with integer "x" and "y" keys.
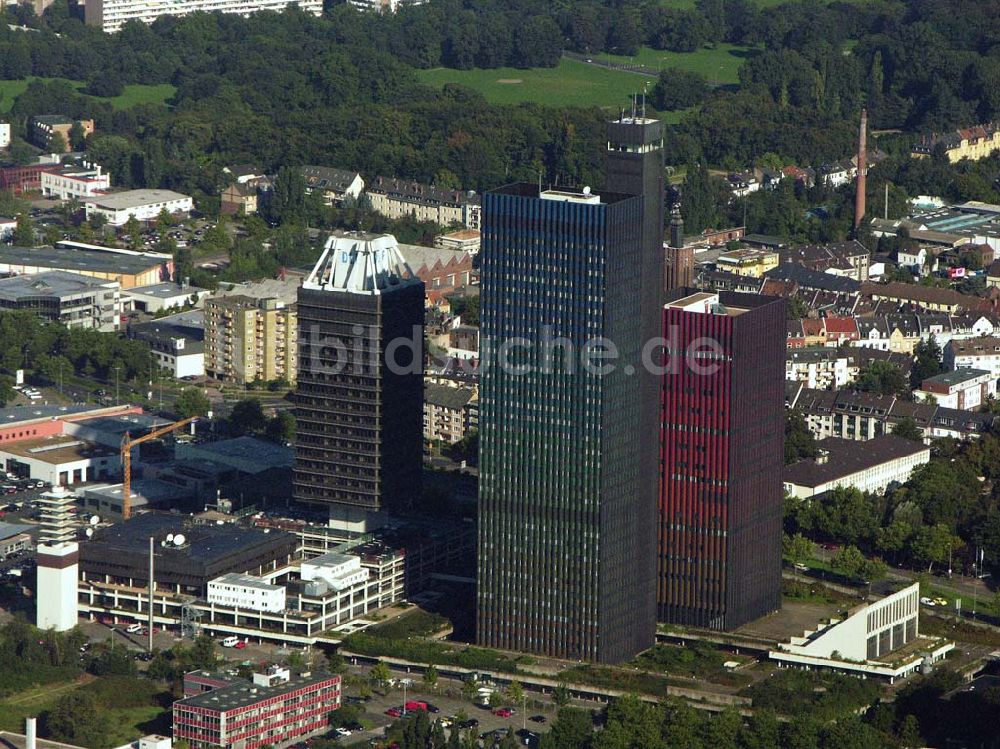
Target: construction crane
{"x": 127, "y": 444}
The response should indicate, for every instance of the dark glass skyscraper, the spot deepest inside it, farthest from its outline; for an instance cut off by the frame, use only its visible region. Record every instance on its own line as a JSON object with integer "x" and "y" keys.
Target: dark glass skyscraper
{"x": 359, "y": 401}
{"x": 722, "y": 454}
{"x": 567, "y": 474}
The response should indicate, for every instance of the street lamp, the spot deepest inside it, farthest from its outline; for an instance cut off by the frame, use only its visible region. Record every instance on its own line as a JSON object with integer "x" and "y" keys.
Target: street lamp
{"x": 117, "y": 398}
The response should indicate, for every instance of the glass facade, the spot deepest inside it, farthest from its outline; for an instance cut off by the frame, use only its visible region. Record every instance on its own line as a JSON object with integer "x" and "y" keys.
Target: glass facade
{"x": 561, "y": 509}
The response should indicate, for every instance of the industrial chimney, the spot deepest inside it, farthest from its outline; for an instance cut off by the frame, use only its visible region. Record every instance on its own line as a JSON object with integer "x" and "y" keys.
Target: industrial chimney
{"x": 859, "y": 198}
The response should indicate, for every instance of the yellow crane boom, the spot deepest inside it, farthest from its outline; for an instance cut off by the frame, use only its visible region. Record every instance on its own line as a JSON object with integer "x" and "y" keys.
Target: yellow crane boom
{"x": 127, "y": 444}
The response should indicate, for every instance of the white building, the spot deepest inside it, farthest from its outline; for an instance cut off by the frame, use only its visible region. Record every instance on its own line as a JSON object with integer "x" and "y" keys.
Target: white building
{"x": 145, "y": 205}
{"x": 820, "y": 368}
{"x": 336, "y": 571}
{"x": 867, "y": 639}
{"x": 162, "y": 296}
{"x": 962, "y": 389}
{"x": 4, "y": 135}
{"x": 246, "y": 592}
{"x": 111, "y": 15}
{"x": 71, "y": 299}
{"x": 79, "y": 182}
{"x": 869, "y": 466}
{"x": 974, "y": 353}
{"x": 60, "y": 461}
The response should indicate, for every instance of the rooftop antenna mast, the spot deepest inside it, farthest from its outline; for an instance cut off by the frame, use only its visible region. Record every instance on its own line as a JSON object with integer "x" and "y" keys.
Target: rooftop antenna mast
{"x": 644, "y": 99}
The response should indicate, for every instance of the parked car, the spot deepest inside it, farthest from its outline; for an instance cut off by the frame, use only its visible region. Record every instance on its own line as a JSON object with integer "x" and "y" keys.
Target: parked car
{"x": 431, "y": 708}
{"x": 342, "y": 732}
{"x": 470, "y": 723}
{"x": 538, "y": 719}
{"x": 134, "y": 629}
{"x": 394, "y": 712}
{"x": 240, "y": 645}
{"x": 503, "y": 712}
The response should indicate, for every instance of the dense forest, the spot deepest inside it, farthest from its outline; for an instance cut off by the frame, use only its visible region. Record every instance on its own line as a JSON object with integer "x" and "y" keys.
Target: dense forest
{"x": 286, "y": 89}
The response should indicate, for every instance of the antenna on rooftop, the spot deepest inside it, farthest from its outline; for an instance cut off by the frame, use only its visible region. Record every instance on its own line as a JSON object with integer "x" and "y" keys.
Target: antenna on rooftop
{"x": 644, "y": 99}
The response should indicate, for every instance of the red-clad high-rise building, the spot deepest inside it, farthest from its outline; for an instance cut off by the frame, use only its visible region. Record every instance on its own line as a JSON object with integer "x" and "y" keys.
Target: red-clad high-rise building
{"x": 722, "y": 451}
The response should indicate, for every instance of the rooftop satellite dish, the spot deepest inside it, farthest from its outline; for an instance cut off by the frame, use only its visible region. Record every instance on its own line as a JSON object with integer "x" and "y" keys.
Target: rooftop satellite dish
{"x": 170, "y": 537}
{"x": 94, "y": 520}
{"x": 179, "y": 539}
{"x": 90, "y": 532}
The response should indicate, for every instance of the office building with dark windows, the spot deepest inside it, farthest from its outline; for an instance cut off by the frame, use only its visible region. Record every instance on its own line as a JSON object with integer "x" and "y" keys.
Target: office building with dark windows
{"x": 359, "y": 402}
{"x": 567, "y": 493}
{"x": 722, "y": 454}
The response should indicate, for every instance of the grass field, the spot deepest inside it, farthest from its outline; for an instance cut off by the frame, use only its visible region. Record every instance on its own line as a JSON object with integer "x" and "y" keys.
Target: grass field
{"x": 571, "y": 84}
{"x": 719, "y": 64}
{"x": 132, "y": 95}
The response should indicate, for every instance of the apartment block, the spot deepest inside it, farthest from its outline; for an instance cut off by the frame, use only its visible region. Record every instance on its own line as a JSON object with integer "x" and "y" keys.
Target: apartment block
{"x": 397, "y": 198}
{"x": 249, "y": 339}
{"x": 111, "y": 15}
{"x": 450, "y": 413}
{"x": 42, "y": 128}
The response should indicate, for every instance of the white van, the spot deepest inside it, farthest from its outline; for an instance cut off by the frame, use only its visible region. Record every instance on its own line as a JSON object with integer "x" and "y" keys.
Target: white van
{"x": 133, "y": 628}
{"x": 230, "y": 642}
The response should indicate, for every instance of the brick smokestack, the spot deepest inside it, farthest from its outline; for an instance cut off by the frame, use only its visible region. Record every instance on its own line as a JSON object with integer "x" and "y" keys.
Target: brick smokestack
{"x": 859, "y": 198}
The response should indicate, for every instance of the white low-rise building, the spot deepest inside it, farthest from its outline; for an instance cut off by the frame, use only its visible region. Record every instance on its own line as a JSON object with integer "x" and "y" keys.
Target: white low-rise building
{"x": 75, "y": 182}
{"x": 60, "y": 461}
{"x": 869, "y": 466}
{"x": 820, "y": 368}
{"x": 336, "y": 571}
{"x": 246, "y": 592}
{"x": 962, "y": 389}
{"x": 163, "y": 296}
{"x": 111, "y": 15}
{"x": 877, "y": 639}
{"x": 145, "y": 205}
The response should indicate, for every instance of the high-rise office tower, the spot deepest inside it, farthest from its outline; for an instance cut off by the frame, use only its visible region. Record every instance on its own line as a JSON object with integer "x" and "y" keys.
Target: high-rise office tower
{"x": 359, "y": 401}
{"x": 568, "y": 476}
{"x": 722, "y": 454}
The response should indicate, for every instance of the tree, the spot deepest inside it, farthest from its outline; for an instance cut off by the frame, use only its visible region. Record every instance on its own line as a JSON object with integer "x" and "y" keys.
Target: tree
{"x": 933, "y": 544}
{"x": 281, "y": 428}
{"x": 909, "y": 733}
{"x": 57, "y": 143}
{"x": 431, "y": 677}
{"x": 882, "y": 378}
{"x": 192, "y": 402}
{"x": 927, "y": 361}
{"x": 164, "y": 220}
{"x": 133, "y": 232}
{"x": 287, "y": 198}
{"x": 907, "y": 429}
{"x": 247, "y": 417}
{"x": 515, "y": 693}
{"x": 24, "y": 233}
{"x": 848, "y": 561}
{"x": 797, "y": 548}
{"x": 77, "y": 718}
{"x": 380, "y": 674}
{"x": 77, "y": 136}
{"x": 561, "y": 695}
{"x": 799, "y": 440}
{"x": 678, "y": 89}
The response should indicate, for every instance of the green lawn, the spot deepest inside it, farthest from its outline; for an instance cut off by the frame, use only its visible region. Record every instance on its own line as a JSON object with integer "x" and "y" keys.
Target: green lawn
{"x": 132, "y": 95}
{"x": 571, "y": 84}
{"x": 719, "y": 64}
